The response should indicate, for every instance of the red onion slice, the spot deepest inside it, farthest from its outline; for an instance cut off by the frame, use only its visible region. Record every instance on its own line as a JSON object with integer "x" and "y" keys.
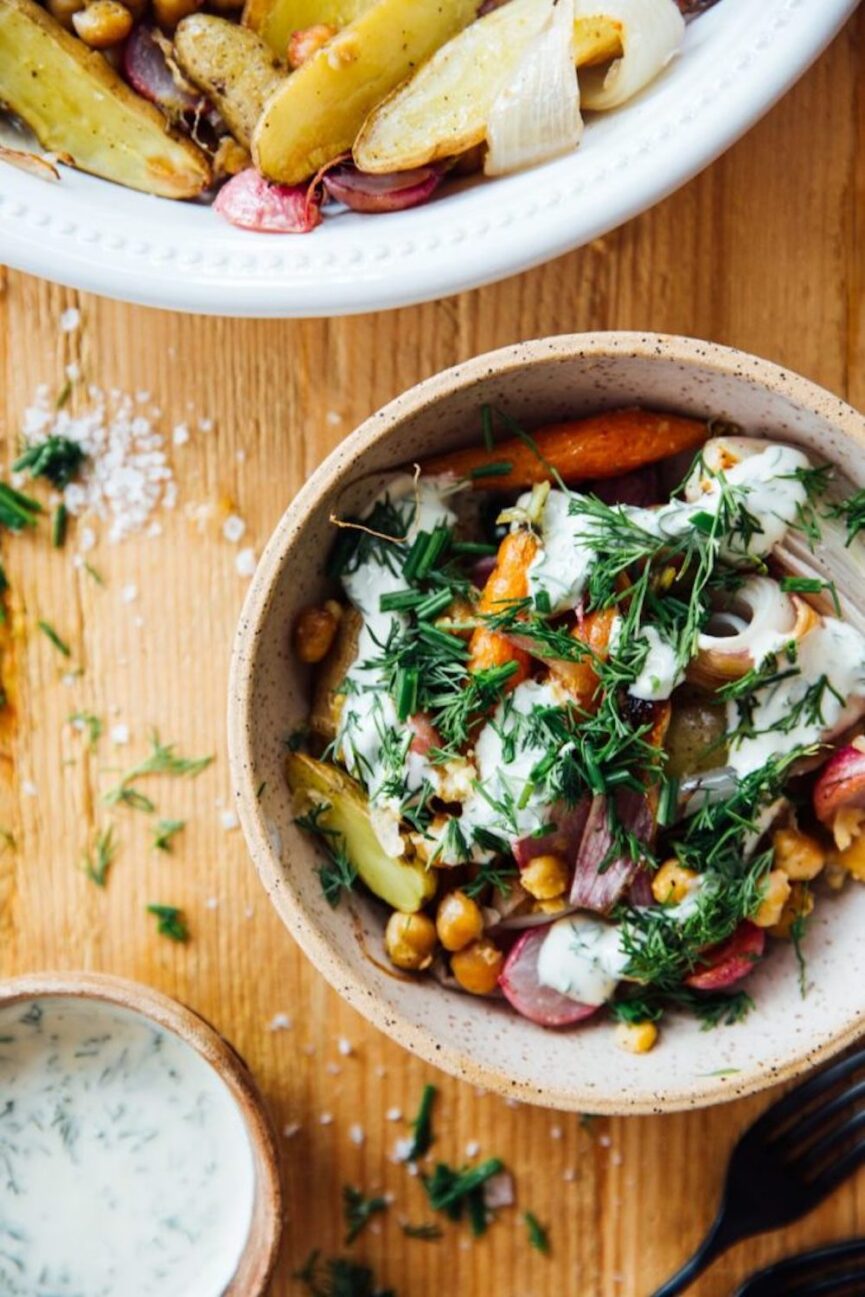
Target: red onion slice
{"x": 591, "y": 888}
{"x": 522, "y": 989}
{"x": 252, "y": 203}
{"x": 147, "y": 71}
{"x": 641, "y": 488}
{"x": 564, "y": 840}
{"x": 387, "y": 193}
{"x": 731, "y": 960}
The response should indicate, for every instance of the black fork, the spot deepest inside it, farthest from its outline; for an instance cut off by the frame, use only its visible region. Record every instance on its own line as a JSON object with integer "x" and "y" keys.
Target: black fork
{"x": 787, "y": 1162}
{"x": 834, "y": 1271}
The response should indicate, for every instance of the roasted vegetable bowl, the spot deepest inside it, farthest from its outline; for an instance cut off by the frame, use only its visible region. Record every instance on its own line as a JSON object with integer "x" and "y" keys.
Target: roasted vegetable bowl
{"x": 294, "y": 103}
{"x": 496, "y": 802}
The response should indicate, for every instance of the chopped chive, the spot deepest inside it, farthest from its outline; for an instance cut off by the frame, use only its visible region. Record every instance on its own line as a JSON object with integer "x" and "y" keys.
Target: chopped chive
{"x": 400, "y": 600}
{"x": 427, "y": 1232}
{"x": 811, "y": 585}
{"x": 164, "y": 832}
{"x": 543, "y": 603}
{"x": 433, "y": 604}
{"x": 170, "y": 922}
{"x": 538, "y": 1237}
{"x": 408, "y": 685}
{"x": 487, "y": 426}
{"x": 435, "y": 547}
{"x": 451, "y": 644}
{"x": 704, "y": 522}
{"x": 92, "y": 572}
{"x": 415, "y": 554}
{"x": 525, "y": 795}
{"x": 473, "y": 549}
{"x": 58, "y": 459}
{"x": 422, "y": 1125}
{"x": 499, "y": 468}
{"x": 668, "y": 800}
{"x": 59, "y": 644}
{"x": 594, "y": 775}
{"x": 59, "y": 524}
{"x": 17, "y": 510}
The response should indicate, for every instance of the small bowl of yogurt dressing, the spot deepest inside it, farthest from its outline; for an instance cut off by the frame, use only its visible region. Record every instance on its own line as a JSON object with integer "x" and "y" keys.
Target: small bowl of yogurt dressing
{"x": 136, "y": 1155}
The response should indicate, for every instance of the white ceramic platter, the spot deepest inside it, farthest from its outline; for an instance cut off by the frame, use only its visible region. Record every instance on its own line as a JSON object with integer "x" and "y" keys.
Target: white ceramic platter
{"x": 738, "y": 59}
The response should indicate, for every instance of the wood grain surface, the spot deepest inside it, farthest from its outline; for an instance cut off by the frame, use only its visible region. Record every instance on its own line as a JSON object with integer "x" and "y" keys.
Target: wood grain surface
{"x": 764, "y": 251}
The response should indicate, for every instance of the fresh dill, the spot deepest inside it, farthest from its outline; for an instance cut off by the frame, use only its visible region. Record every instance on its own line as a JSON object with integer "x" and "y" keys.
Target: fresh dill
{"x": 538, "y": 1236}
{"x": 60, "y": 644}
{"x": 99, "y": 859}
{"x": 338, "y": 874}
{"x": 58, "y": 459}
{"x": 422, "y": 1125}
{"x": 170, "y": 922}
{"x": 798, "y": 929}
{"x": 457, "y": 1192}
{"x": 338, "y": 1277}
{"x": 358, "y": 1211}
{"x": 429, "y": 1233}
{"x": 162, "y": 760}
{"x": 165, "y": 832}
{"x": 87, "y": 723}
{"x": 852, "y": 512}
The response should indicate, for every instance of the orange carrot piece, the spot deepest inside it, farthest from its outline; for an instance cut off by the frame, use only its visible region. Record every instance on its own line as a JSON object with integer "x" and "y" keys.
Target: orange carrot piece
{"x": 508, "y": 583}
{"x": 602, "y": 445}
{"x": 581, "y": 678}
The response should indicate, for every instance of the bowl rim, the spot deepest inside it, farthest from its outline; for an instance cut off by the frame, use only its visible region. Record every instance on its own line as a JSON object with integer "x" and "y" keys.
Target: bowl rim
{"x": 329, "y": 960}
{"x": 258, "y": 1259}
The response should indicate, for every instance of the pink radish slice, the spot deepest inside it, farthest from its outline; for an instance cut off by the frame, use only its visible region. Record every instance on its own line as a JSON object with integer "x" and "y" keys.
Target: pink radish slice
{"x": 600, "y": 882}
{"x": 387, "y": 193}
{"x": 426, "y": 735}
{"x": 840, "y": 784}
{"x": 564, "y": 840}
{"x": 731, "y": 960}
{"x": 638, "y": 488}
{"x": 252, "y": 203}
{"x": 147, "y": 71}
{"x": 522, "y": 989}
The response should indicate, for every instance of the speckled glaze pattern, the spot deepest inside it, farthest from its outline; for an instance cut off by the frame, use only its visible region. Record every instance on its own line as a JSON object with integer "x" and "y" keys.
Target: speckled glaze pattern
{"x": 258, "y": 1262}
{"x": 483, "y": 1042}
{"x": 738, "y": 59}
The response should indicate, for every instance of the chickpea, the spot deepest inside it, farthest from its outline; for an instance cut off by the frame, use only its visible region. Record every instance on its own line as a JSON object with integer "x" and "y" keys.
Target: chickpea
{"x": 672, "y": 883}
{"x": 776, "y": 893}
{"x": 168, "y": 13}
{"x": 230, "y": 157}
{"x": 799, "y": 905}
{"x": 103, "y": 23}
{"x": 800, "y": 856}
{"x": 315, "y": 631}
{"x": 64, "y": 11}
{"x": 459, "y": 921}
{"x": 636, "y": 1037}
{"x": 852, "y": 860}
{"x": 545, "y": 877}
{"x": 308, "y": 41}
{"x": 477, "y": 968}
{"x": 410, "y": 940}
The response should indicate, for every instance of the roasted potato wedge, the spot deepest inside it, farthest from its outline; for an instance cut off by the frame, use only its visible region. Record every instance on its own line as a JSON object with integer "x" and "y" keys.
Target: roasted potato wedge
{"x": 78, "y": 106}
{"x": 443, "y": 110}
{"x": 316, "y": 115}
{"x": 327, "y": 701}
{"x": 277, "y": 20}
{"x": 404, "y": 884}
{"x": 232, "y": 65}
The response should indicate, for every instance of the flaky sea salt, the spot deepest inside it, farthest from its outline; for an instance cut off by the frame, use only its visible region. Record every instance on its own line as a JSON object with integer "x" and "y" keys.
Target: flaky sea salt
{"x": 356, "y": 1134}
{"x": 129, "y": 593}
{"x": 291, "y": 1129}
{"x": 120, "y": 735}
{"x": 228, "y": 820}
{"x": 245, "y": 562}
{"x": 393, "y": 1114}
{"x": 280, "y": 1022}
{"x": 233, "y": 528}
{"x": 472, "y": 1148}
{"x": 70, "y": 320}
{"x": 180, "y": 435}
{"x": 344, "y": 1046}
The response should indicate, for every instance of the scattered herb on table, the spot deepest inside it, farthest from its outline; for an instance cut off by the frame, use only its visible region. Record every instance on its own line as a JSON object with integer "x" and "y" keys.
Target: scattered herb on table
{"x": 89, "y": 722}
{"x": 427, "y": 1232}
{"x": 92, "y": 572}
{"x": 456, "y": 1191}
{"x": 163, "y": 760}
{"x": 359, "y": 1210}
{"x": 59, "y": 644}
{"x": 538, "y": 1236}
{"x": 98, "y": 861}
{"x": 422, "y": 1125}
{"x": 338, "y": 1277}
{"x": 164, "y": 832}
{"x": 57, "y": 458}
{"x": 17, "y": 510}
{"x": 170, "y": 922}
{"x": 59, "y": 526}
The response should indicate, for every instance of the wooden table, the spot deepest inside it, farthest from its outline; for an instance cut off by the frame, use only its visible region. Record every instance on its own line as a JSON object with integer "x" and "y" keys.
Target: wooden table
{"x": 765, "y": 251}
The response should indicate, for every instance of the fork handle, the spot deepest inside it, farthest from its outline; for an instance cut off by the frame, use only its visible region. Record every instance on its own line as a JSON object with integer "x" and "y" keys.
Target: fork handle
{"x": 719, "y": 1238}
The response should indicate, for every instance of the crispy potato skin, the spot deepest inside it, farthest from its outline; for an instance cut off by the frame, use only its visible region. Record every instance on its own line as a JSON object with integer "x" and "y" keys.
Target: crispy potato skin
{"x": 326, "y": 705}
{"x": 316, "y": 115}
{"x": 232, "y": 65}
{"x": 77, "y": 105}
{"x": 277, "y": 20}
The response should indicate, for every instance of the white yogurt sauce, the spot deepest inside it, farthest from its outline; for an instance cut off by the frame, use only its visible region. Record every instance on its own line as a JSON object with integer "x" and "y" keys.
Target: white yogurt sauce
{"x": 582, "y": 958}
{"x": 832, "y": 649}
{"x": 660, "y": 672}
{"x": 125, "y": 1167}
{"x": 564, "y": 559}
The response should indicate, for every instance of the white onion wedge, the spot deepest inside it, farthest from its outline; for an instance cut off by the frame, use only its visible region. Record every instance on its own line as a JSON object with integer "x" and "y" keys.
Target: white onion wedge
{"x": 536, "y": 114}
{"x": 652, "y": 32}
{"x": 760, "y": 619}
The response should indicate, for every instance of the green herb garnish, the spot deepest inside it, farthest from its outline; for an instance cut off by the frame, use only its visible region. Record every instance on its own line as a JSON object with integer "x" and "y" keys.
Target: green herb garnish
{"x": 338, "y": 1277}
{"x": 455, "y": 1191}
{"x": 170, "y": 922}
{"x": 17, "y": 510}
{"x": 59, "y": 644}
{"x": 538, "y": 1236}
{"x": 98, "y": 861}
{"x": 89, "y": 722}
{"x": 163, "y": 760}
{"x": 359, "y": 1210}
{"x": 427, "y": 1232}
{"x": 59, "y": 526}
{"x": 57, "y": 458}
{"x": 165, "y": 831}
{"x": 422, "y": 1125}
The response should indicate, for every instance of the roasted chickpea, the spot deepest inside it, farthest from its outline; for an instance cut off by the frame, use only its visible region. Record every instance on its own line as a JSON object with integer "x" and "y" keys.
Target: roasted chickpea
{"x": 799, "y": 905}
{"x": 168, "y": 13}
{"x": 776, "y": 893}
{"x": 315, "y": 631}
{"x": 103, "y": 23}
{"x": 410, "y": 940}
{"x": 545, "y": 877}
{"x": 799, "y": 855}
{"x": 64, "y": 11}
{"x": 672, "y": 883}
{"x": 459, "y": 921}
{"x": 636, "y": 1037}
{"x": 477, "y": 968}
{"x": 308, "y": 41}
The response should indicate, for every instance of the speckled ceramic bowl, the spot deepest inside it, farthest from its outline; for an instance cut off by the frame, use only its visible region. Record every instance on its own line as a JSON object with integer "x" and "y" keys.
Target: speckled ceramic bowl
{"x": 484, "y": 1042}
{"x": 258, "y": 1259}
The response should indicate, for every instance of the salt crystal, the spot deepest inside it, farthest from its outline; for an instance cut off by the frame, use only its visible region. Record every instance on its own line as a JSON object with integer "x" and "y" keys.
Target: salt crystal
{"x": 205, "y": 425}
{"x": 344, "y": 1046}
{"x": 228, "y": 820}
{"x": 233, "y": 528}
{"x": 393, "y": 1114}
{"x": 381, "y": 1071}
{"x": 245, "y": 562}
{"x": 211, "y": 903}
{"x": 28, "y": 788}
{"x": 326, "y": 1118}
{"x": 73, "y": 371}
{"x": 249, "y": 912}
{"x": 605, "y": 1141}
{"x": 333, "y": 1069}
{"x": 291, "y": 1129}
{"x": 402, "y": 1148}
{"x": 180, "y": 435}
{"x": 472, "y": 1148}
{"x": 334, "y": 418}
{"x": 555, "y": 1132}
{"x": 569, "y": 1175}
{"x": 120, "y": 735}
{"x": 129, "y": 593}
{"x": 70, "y": 319}
{"x": 69, "y": 679}
{"x": 280, "y": 1022}
{"x": 356, "y": 1134}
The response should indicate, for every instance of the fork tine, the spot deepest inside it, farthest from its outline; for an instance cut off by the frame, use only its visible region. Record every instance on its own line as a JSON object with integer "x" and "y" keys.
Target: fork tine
{"x": 827, "y": 1180}
{"x": 808, "y": 1162}
{"x": 820, "y": 1116}
{"x": 804, "y": 1094}
{"x": 807, "y": 1274}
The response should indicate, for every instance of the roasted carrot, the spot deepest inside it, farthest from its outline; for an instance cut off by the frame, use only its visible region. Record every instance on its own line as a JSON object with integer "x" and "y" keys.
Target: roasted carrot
{"x": 508, "y": 583}
{"x": 580, "y": 678}
{"x": 602, "y": 445}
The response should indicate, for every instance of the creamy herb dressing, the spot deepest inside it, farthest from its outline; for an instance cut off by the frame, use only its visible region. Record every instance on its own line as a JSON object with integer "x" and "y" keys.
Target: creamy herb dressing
{"x": 660, "y": 672}
{"x": 125, "y": 1167}
{"x": 834, "y": 651}
{"x": 564, "y": 559}
{"x": 581, "y": 957}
